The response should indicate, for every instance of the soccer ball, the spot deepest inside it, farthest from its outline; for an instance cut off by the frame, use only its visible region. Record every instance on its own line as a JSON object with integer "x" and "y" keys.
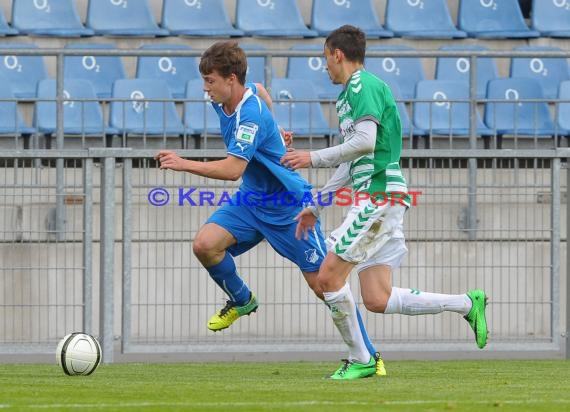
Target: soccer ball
{"x": 78, "y": 354}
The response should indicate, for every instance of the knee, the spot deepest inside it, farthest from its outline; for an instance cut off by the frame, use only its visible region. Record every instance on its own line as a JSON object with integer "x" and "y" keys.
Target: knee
{"x": 376, "y": 305}
{"x": 203, "y": 248}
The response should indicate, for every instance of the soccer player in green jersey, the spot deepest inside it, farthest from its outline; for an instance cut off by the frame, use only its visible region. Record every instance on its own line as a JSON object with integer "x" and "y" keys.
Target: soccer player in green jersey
{"x": 371, "y": 237}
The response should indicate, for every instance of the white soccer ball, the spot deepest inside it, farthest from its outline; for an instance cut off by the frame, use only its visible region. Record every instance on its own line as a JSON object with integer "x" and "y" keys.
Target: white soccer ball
{"x": 78, "y": 354}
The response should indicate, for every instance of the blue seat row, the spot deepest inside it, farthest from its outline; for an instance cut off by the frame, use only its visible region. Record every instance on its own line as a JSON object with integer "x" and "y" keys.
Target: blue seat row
{"x": 282, "y": 18}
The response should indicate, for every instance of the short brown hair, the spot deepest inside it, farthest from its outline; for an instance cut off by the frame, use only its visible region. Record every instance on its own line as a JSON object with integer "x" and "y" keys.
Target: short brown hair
{"x": 350, "y": 40}
{"x": 226, "y": 57}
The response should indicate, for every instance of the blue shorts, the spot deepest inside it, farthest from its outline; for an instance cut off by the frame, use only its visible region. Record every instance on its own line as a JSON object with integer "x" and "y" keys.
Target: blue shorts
{"x": 244, "y": 224}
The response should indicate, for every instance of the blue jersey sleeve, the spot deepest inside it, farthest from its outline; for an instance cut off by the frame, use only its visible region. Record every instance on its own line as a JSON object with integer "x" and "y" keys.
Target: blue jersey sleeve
{"x": 248, "y": 131}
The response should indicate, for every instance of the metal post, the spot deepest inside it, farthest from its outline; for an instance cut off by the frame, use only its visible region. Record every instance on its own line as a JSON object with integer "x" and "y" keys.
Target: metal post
{"x": 472, "y": 163}
{"x": 107, "y": 257}
{"x": 127, "y": 212}
{"x": 567, "y": 329}
{"x": 59, "y": 163}
{"x": 88, "y": 245}
{"x": 555, "y": 251}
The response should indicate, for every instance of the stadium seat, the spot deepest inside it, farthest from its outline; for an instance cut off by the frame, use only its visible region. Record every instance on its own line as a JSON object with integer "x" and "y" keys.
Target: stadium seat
{"x": 81, "y": 117}
{"x": 421, "y": 19}
{"x": 22, "y": 72}
{"x": 327, "y": 15}
{"x": 255, "y": 64}
{"x": 48, "y": 18}
{"x": 493, "y": 20}
{"x": 458, "y": 68}
{"x": 409, "y": 130}
{"x": 122, "y": 18}
{"x": 144, "y": 107}
{"x": 314, "y": 69}
{"x": 200, "y": 118}
{"x": 176, "y": 70}
{"x": 5, "y": 29}
{"x": 551, "y": 18}
{"x": 199, "y": 18}
{"x": 513, "y": 115}
{"x": 11, "y": 122}
{"x": 271, "y": 19}
{"x": 101, "y": 71}
{"x": 563, "y": 109}
{"x": 405, "y": 71}
{"x": 296, "y": 108}
{"x": 548, "y": 71}
{"x": 449, "y": 114}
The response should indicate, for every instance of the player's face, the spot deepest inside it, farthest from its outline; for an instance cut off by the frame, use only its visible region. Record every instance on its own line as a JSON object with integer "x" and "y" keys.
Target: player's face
{"x": 218, "y": 88}
{"x": 333, "y": 68}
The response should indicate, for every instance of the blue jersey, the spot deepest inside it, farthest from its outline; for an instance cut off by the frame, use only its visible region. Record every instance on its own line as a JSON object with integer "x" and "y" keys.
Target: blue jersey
{"x": 252, "y": 134}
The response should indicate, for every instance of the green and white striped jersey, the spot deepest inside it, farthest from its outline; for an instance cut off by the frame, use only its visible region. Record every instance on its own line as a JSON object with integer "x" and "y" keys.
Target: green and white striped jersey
{"x": 366, "y": 97}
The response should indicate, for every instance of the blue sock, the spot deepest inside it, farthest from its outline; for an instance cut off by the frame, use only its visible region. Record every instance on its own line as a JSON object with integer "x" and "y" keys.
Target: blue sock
{"x": 367, "y": 342}
{"x": 226, "y": 276}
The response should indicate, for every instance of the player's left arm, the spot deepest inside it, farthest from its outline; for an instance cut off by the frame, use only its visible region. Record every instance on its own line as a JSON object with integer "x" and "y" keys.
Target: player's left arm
{"x": 360, "y": 142}
{"x": 230, "y": 168}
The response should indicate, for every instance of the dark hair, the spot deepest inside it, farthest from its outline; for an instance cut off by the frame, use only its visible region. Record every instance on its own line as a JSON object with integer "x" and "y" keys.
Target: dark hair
{"x": 350, "y": 40}
{"x": 226, "y": 57}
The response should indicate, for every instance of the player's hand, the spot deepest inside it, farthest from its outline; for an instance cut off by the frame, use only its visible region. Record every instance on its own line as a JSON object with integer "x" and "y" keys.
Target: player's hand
{"x": 306, "y": 222}
{"x": 295, "y": 159}
{"x": 169, "y": 160}
{"x": 287, "y": 136}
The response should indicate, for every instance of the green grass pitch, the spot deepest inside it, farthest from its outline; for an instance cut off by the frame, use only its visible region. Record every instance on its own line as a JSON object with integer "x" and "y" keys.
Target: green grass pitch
{"x": 489, "y": 385}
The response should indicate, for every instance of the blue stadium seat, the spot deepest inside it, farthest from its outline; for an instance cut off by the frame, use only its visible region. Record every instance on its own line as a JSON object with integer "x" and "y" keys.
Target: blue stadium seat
{"x": 296, "y": 108}
{"x": 563, "y": 109}
{"x": 176, "y": 71}
{"x": 144, "y": 107}
{"x": 327, "y": 15}
{"x": 271, "y": 19}
{"x": 314, "y": 69}
{"x": 551, "y": 18}
{"x": 22, "y": 72}
{"x": 458, "y": 68}
{"x": 101, "y": 71}
{"x": 450, "y": 113}
{"x": 513, "y": 115}
{"x": 5, "y": 29}
{"x": 255, "y": 64}
{"x": 82, "y": 117}
{"x": 409, "y": 130}
{"x": 122, "y": 18}
{"x": 197, "y": 18}
{"x": 200, "y": 118}
{"x": 11, "y": 122}
{"x": 548, "y": 71}
{"x": 421, "y": 19}
{"x": 405, "y": 71}
{"x": 493, "y": 20}
{"x": 57, "y": 18}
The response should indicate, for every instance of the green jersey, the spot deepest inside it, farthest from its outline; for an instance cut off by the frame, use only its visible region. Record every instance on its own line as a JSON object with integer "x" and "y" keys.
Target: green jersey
{"x": 366, "y": 97}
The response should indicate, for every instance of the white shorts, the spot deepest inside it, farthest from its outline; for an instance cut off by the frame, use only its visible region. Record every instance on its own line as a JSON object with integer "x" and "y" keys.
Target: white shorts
{"x": 370, "y": 235}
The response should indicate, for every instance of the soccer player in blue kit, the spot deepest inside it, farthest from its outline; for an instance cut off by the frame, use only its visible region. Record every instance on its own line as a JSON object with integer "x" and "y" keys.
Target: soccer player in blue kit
{"x": 269, "y": 197}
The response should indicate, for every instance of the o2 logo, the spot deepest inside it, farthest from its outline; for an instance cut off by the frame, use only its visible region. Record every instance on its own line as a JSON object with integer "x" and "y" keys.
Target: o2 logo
{"x": 489, "y": 4}
{"x": 285, "y": 95}
{"x": 462, "y": 65}
{"x": 267, "y": 3}
{"x": 193, "y": 3}
{"x": 342, "y": 3}
{"x": 563, "y": 4}
{"x": 42, "y": 5}
{"x": 119, "y": 3}
{"x": 537, "y": 66}
{"x": 316, "y": 64}
{"x": 441, "y": 100}
{"x": 165, "y": 65}
{"x": 389, "y": 65}
{"x": 416, "y": 3}
{"x": 90, "y": 63}
{"x": 513, "y": 94}
{"x": 139, "y": 105}
{"x": 12, "y": 63}
{"x": 67, "y": 99}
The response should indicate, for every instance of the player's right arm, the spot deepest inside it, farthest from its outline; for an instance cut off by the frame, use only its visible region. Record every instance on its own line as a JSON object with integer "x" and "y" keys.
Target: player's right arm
{"x": 230, "y": 168}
